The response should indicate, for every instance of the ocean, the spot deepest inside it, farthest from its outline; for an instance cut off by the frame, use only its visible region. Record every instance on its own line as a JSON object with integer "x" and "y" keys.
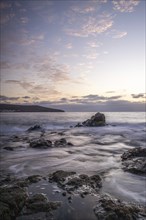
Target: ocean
{"x": 94, "y": 150}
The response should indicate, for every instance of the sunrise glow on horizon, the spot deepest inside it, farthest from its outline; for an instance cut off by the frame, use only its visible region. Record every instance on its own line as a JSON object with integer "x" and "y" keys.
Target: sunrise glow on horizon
{"x": 75, "y": 55}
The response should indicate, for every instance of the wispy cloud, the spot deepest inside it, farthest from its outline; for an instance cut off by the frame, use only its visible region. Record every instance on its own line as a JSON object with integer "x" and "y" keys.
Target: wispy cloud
{"x": 5, "y": 5}
{"x": 117, "y": 34}
{"x": 23, "y": 84}
{"x": 24, "y": 20}
{"x": 137, "y": 96}
{"x": 91, "y": 56}
{"x": 5, "y": 98}
{"x": 124, "y": 5}
{"x": 110, "y": 91}
{"x": 94, "y": 44}
{"x": 41, "y": 90}
{"x": 9, "y": 99}
{"x": 47, "y": 67}
{"x": 31, "y": 40}
{"x": 97, "y": 97}
{"x": 6, "y": 18}
{"x": 92, "y": 25}
{"x": 83, "y": 9}
{"x": 78, "y": 104}
{"x": 26, "y": 97}
{"x": 69, "y": 46}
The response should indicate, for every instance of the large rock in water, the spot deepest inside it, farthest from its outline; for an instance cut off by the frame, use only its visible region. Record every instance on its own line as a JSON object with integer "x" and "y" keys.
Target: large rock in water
{"x": 113, "y": 209}
{"x": 96, "y": 120}
{"x": 12, "y": 200}
{"x": 134, "y": 160}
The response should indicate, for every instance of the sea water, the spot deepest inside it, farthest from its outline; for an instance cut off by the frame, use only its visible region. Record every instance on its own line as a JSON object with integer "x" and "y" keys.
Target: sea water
{"x": 95, "y": 150}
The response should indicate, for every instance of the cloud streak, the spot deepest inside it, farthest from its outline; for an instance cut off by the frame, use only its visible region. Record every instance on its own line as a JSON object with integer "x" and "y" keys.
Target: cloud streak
{"x": 137, "y": 96}
{"x": 124, "y": 5}
{"x": 116, "y": 34}
{"x": 106, "y": 106}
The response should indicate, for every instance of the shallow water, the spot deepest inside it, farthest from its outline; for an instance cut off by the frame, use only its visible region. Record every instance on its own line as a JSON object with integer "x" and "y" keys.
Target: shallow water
{"x": 95, "y": 150}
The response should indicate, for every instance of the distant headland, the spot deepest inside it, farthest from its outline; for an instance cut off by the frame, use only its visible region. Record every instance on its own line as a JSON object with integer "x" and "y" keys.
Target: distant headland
{"x": 26, "y": 108}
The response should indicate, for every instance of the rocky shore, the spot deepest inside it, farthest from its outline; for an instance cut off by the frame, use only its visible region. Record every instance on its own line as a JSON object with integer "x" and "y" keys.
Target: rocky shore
{"x": 16, "y": 201}
{"x": 22, "y": 198}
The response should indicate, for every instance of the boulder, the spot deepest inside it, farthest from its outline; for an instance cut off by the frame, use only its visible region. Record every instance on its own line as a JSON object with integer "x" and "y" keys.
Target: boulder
{"x": 96, "y": 120}
{"x": 33, "y": 179}
{"x": 41, "y": 143}
{"x": 62, "y": 143}
{"x": 9, "y": 148}
{"x": 60, "y": 176}
{"x": 12, "y": 200}
{"x": 39, "y": 203}
{"x": 71, "y": 182}
{"x": 134, "y": 160}
{"x": 135, "y": 152}
{"x": 36, "y": 128}
{"x": 112, "y": 209}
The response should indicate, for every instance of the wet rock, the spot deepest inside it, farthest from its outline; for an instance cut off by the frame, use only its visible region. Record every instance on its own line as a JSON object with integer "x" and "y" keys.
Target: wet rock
{"x": 9, "y": 148}
{"x": 39, "y": 197}
{"x": 15, "y": 138}
{"x": 70, "y": 199}
{"x": 135, "y": 152}
{"x": 22, "y": 183}
{"x": 134, "y": 160}
{"x": 61, "y": 133}
{"x": 41, "y": 143}
{"x": 12, "y": 200}
{"x": 73, "y": 183}
{"x": 113, "y": 209}
{"x": 60, "y": 143}
{"x": 33, "y": 178}
{"x": 40, "y": 203}
{"x": 96, "y": 120}
{"x": 135, "y": 165}
{"x": 35, "y": 128}
{"x": 60, "y": 176}
{"x": 70, "y": 144}
{"x": 64, "y": 193}
{"x": 92, "y": 182}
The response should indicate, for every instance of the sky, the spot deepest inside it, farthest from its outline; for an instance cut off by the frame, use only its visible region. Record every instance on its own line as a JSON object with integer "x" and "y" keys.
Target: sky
{"x": 77, "y": 55}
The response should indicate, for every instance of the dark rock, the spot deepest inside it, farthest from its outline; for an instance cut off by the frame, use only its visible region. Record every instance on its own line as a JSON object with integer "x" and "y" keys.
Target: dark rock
{"x": 96, "y": 120}
{"x": 22, "y": 183}
{"x": 69, "y": 182}
{"x": 64, "y": 193}
{"x": 15, "y": 138}
{"x": 33, "y": 178}
{"x": 60, "y": 143}
{"x": 135, "y": 165}
{"x": 9, "y": 148}
{"x": 35, "y": 128}
{"x": 113, "y": 209}
{"x": 12, "y": 200}
{"x": 93, "y": 182}
{"x": 5, "y": 211}
{"x": 39, "y": 197}
{"x": 61, "y": 133}
{"x": 134, "y": 160}
{"x": 41, "y": 143}
{"x": 40, "y": 203}
{"x": 135, "y": 152}
{"x": 79, "y": 125}
{"x": 60, "y": 176}
{"x": 70, "y": 199}
{"x": 69, "y": 144}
